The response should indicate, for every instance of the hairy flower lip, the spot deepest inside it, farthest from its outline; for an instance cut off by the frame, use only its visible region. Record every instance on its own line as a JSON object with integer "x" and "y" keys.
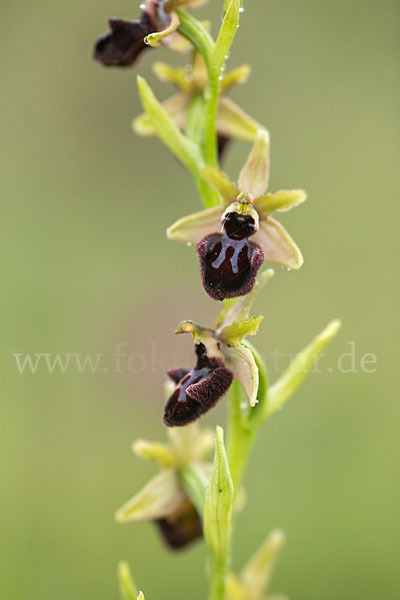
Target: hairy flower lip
{"x": 125, "y": 41}
{"x": 182, "y": 527}
{"x": 228, "y": 267}
{"x": 198, "y": 390}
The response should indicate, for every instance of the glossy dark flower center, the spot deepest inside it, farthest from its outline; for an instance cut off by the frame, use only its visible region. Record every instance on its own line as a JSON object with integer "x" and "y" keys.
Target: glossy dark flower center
{"x": 239, "y": 227}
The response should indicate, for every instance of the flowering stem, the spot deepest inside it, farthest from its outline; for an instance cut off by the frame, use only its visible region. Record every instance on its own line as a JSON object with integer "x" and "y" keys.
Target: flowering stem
{"x": 241, "y": 434}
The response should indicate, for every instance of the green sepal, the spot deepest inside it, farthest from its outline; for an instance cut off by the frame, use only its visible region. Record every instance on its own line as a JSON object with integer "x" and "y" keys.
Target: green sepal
{"x": 234, "y": 122}
{"x": 282, "y": 201}
{"x": 159, "y": 497}
{"x": 254, "y": 176}
{"x": 288, "y": 383}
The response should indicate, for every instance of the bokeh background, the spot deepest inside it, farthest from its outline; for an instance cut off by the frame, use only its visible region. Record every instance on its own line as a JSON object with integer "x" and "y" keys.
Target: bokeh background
{"x": 86, "y": 266}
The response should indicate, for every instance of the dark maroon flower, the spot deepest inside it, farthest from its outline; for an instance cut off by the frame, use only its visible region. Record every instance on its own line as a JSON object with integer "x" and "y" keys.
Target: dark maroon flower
{"x": 229, "y": 261}
{"x": 125, "y": 41}
{"x": 182, "y": 527}
{"x": 198, "y": 389}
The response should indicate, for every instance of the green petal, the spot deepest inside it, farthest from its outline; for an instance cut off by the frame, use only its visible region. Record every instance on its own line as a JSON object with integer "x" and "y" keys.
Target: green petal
{"x": 240, "y": 361}
{"x": 256, "y": 575}
{"x": 236, "y": 76}
{"x": 221, "y": 182}
{"x": 234, "y": 122}
{"x": 159, "y": 498}
{"x": 254, "y": 176}
{"x": 175, "y": 75}
{"x": 288, "y": 383}
{"x": 240, "y": 307}
{"x": 192, "y": 228}
{"x": 156, "y": 451}
{"x": 232, "y": 334}
{"x": 176, "y": 107}
{"x": 126, "y": 583}
{"x": 282, "y": 201}
{"x": 218, "y": 506}
{"x": 277, "y": 245}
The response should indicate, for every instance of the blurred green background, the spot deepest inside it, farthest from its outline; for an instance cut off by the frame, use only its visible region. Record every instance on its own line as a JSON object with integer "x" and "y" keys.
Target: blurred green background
{"x": 86, "y": 266}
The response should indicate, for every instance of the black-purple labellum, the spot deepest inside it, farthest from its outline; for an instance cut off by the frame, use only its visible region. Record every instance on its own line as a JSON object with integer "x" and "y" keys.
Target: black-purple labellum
{"x": 229, "y": 261}
{"x": 198, "y": 389}
{"x": 182, "y": 527}
{"x": 124, "y": 43}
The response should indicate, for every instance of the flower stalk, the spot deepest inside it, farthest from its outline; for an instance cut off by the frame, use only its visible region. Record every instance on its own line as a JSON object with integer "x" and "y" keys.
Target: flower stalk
{"x": 234, "y": 234}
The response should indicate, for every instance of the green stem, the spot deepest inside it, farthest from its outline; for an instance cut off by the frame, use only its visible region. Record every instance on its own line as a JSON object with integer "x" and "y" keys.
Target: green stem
{"x": 217, "y": 582}
{"x": 241, "y": 435}
{"x": 212, "y": 98}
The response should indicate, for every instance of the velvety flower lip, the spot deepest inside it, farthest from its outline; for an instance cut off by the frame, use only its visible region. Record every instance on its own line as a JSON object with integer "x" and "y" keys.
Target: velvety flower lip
{"x": 182, "y": 527}
{"x": 228, "y": 266}
{"x": 125, "y": 41}
{"x": 198, "y": 390}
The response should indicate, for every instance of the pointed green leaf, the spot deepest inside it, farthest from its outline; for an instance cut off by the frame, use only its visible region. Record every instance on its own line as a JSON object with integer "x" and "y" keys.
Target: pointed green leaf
{"x": 254, "y": 176}
{"x": 256, "y": 575}
{"x": 218, "y": 506}
{"x": 226, "y": 34}
{"x": 232, "y": 335}
{"x": 288, "y": 383}
{"x": 127, "y": 585}
{"x": 175, "y": 106}
{"x": 159, "y": 497}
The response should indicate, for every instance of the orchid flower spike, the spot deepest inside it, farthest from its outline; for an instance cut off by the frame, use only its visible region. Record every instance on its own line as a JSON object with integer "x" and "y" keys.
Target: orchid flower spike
{"x": 127, "y": 40}
{"x": 191, "y": 81}
{"x": 221, "y": 356}
{"x": 229, "y": 260}
{"x": 163, "y": 500}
